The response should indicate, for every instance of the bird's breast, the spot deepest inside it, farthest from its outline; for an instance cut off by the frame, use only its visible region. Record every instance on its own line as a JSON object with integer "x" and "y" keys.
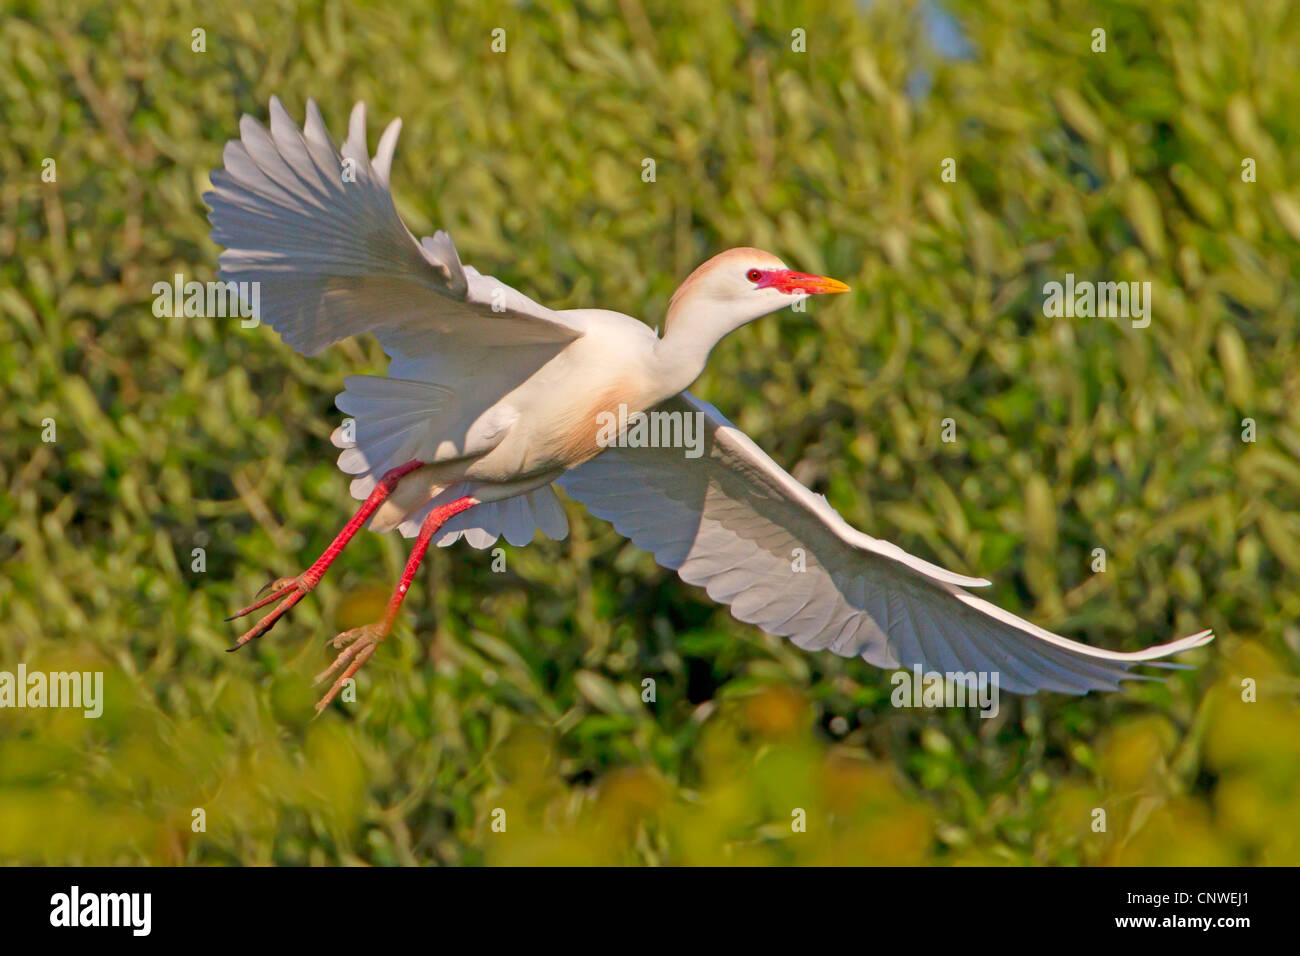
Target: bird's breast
{"x": 562, "y": 429}
{"x": 570, "y": 409}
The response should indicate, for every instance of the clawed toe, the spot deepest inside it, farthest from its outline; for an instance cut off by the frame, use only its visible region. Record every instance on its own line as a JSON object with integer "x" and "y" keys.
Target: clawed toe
{"x": 357, "y": 645}
{"x": 288, "y": 591}
{"x": 347, "y": 637}
{"x": 278, "y": 588}
{"x": 278, "y": 584}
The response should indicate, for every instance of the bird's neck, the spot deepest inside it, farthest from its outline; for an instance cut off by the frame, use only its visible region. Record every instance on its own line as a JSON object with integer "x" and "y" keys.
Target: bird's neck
{"x": 683, "y": 350}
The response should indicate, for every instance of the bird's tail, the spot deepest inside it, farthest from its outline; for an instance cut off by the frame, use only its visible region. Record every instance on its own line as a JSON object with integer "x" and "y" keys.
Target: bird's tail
{"x": 392, "y": 421}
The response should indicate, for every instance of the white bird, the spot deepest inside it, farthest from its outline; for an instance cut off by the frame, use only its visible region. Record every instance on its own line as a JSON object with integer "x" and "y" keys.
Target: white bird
{"x": 491, "y": 398}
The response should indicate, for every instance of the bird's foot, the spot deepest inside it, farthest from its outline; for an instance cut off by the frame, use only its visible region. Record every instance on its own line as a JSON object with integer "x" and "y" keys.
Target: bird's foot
{"x": 357, "y": 645}
{"x": 288, "y": 591}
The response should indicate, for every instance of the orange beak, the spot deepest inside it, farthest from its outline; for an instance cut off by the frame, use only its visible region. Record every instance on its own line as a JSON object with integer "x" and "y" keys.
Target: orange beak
{"x": 801, "y": 283}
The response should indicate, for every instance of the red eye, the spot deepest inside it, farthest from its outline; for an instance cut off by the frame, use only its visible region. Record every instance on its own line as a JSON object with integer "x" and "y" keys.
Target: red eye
{"x": 753, "y": 275}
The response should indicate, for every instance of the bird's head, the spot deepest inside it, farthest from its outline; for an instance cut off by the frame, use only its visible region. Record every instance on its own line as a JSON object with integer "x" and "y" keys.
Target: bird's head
{"x": 738, "y": 286}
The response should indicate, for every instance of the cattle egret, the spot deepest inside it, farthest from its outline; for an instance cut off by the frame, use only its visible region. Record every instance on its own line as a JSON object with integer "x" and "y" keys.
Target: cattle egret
{"x": 491, "y": 399}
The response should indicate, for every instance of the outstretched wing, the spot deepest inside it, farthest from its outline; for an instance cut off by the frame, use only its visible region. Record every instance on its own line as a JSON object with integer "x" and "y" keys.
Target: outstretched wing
{"x": 317, "y": 229}
{"x": 735, "y": 523}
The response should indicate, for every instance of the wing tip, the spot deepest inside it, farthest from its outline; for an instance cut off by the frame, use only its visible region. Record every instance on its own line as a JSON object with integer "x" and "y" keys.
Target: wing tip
{"x": 1199, "y": 639}
{"x": 383, "y": 160}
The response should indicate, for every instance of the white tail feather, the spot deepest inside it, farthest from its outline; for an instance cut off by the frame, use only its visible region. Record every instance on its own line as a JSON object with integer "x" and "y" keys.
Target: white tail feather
{"x": 394, "y": 421}
{"x": 516, "y": 519}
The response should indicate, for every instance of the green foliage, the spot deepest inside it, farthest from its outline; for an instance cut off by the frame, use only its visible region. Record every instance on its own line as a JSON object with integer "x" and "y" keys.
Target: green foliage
{"x": 522, "y": 691}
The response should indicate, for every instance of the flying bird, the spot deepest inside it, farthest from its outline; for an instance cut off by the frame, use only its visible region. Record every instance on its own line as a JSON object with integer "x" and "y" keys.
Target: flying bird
{"x": 492, "y": 399}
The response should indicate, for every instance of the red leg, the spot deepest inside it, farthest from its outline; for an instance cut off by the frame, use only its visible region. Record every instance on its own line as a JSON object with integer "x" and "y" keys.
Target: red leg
{"x": 289, "y": 591}
{"x": 359, "y": 643}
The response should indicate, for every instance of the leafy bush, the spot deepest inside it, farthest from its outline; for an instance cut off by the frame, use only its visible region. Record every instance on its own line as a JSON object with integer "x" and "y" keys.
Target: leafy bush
{"x": 522, "y": 692}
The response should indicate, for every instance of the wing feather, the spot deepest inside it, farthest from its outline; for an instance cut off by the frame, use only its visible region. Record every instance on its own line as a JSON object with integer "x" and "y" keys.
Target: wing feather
{"x": 735, "y": 523}
{"x": 331, "y": 257}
